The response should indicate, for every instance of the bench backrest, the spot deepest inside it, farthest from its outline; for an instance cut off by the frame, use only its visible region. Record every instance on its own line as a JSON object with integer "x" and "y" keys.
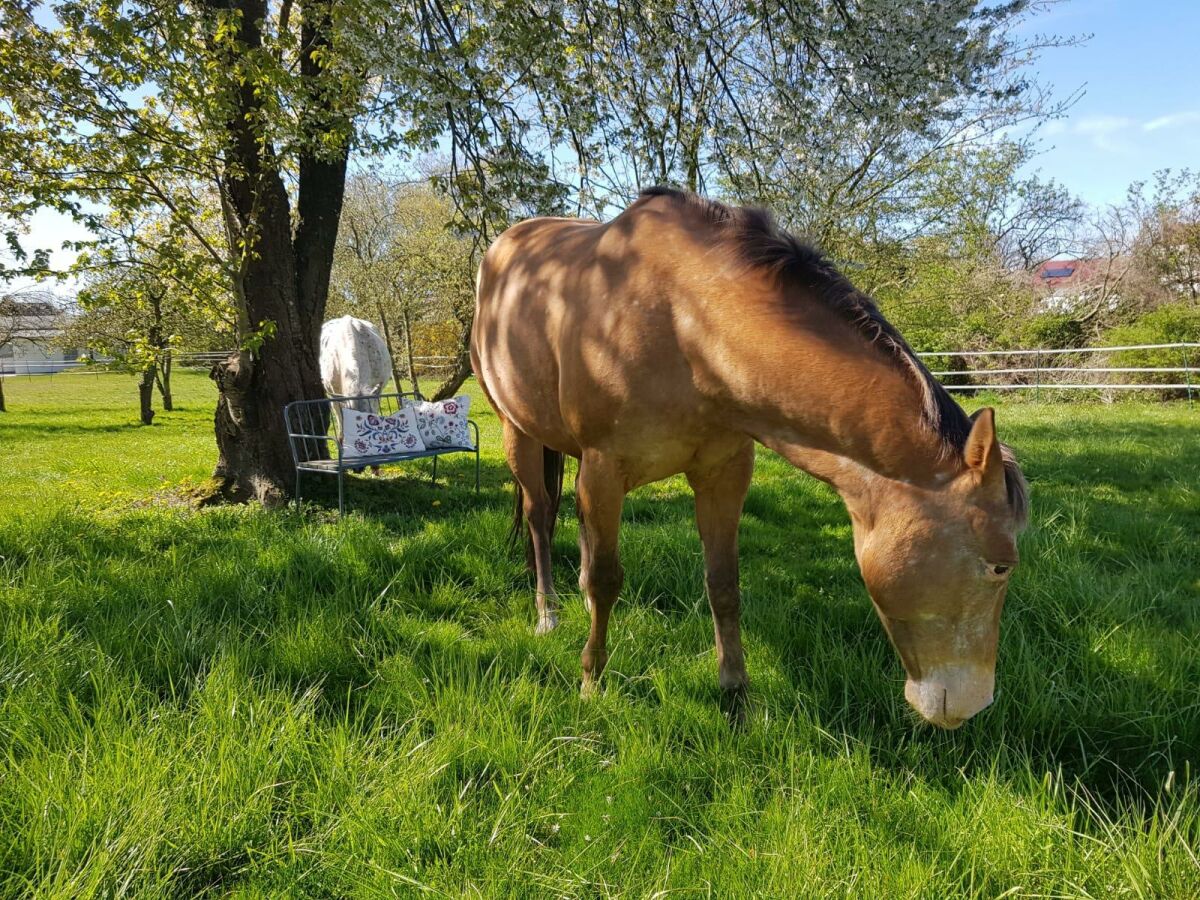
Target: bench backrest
{"x": 313, "y": 427}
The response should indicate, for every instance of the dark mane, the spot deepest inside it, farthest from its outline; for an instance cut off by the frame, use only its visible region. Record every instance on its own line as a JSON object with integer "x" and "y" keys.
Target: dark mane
{"x": 762, "y": 244}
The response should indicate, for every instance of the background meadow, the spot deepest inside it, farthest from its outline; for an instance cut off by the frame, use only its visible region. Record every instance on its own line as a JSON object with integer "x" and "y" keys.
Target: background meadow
{"x": 236, "y": 702}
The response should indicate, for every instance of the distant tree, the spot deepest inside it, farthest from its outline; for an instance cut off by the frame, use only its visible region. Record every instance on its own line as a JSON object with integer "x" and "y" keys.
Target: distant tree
{"x": 960, "y": 273}
{"x": 1145, "y": 253}
{"x": 1105, "y": 298}
{"x": 1167, "y": 246}
{"x": 140, "y": 318}
{"x": 400, "y": 261}
{"x": 148, "y": 290}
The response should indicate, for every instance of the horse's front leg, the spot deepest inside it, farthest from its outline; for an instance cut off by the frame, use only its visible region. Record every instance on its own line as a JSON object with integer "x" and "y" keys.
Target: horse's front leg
{"x": 526, "y": 458}
{"x": 720, "y": 493}
{"x": 599, "y": 495}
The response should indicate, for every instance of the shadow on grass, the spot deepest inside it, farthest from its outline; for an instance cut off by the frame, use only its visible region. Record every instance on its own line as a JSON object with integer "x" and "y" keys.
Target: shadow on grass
{"x": 1116, "y": 734}
{"x": 62, "y": 430}
{"x": 309, "y": 606}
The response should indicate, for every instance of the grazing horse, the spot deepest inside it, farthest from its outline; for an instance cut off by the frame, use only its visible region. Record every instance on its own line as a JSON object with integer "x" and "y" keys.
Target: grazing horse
{"x": 673, "y": 338}
{"x": 354, "y": 361}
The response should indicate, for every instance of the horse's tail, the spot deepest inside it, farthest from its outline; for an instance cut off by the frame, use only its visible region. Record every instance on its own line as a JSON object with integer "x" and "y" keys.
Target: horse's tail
{"x": 553, "y": 466}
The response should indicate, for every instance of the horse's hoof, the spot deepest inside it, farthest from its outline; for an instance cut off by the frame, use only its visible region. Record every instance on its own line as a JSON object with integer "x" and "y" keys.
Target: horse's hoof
{"x": 735, "y": 704}
{"x": 589, "y": 689}
{"x": 546, "y": 623}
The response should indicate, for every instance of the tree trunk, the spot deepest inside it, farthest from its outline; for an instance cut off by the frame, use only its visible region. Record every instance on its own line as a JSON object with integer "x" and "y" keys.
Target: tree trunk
{"x": 3, "y": 408}
{"x": 387, "y": 339}
{"x": 412, "y": 369}
{"x": 284, "y": 281}
{"x": 164, "y": 380}
{"x": 254, "y": 460}
{"x": 146, "y": 395}
{"x": 462, "y": 368}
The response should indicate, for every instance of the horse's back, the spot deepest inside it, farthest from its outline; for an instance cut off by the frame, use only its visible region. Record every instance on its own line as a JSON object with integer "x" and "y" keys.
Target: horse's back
{"x": 575, "y": 339}
{"x": 354, "y": 357}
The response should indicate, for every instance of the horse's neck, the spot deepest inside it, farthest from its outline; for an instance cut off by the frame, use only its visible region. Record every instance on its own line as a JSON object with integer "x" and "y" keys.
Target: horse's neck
{"x": 839, "y": 407}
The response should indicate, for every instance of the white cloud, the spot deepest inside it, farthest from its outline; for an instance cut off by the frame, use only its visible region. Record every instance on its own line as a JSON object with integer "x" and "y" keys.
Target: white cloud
{"x": 1118, "y": 134}
{"x": 1102, "y": 124}
{"x": 1172, "y": 121}
{"x": 1105, "y": 132}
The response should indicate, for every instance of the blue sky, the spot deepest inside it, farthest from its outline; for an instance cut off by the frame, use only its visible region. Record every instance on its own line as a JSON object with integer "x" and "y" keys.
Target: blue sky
{"x": 1141, "y": 108}
{"x": 1139, "y": 112}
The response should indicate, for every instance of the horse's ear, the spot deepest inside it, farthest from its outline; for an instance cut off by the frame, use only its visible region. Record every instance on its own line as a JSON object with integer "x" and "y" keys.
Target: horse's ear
{"x": 982, "y": 450}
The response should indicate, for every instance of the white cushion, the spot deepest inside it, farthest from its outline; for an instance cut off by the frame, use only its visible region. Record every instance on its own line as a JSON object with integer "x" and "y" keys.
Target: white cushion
{"x": 371, "y": 434}
{"x": 443, "y": 423}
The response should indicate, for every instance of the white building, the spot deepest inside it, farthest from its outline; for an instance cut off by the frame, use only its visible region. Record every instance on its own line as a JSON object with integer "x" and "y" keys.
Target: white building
{"x": 27, "y": 332}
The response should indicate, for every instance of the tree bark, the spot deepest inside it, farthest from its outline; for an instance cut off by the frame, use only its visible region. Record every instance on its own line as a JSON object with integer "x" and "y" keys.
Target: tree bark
{"x": 412, "y": 369}
{"x": 285, "y": 281}
{"x": 449, "y": 387}
{"x": 462, "y": 368}
{"x": 254, "y": 461}
{"x": 164, "y": 380}
{"x": 387, "y": 339}
{"x": 3, "y": 408}
{"x": 162, "y": 370}
{"x": 146, "y": 395}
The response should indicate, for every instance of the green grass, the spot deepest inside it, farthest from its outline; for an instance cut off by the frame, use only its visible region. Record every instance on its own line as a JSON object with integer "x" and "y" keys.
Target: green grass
{"x": 240, "y": 703}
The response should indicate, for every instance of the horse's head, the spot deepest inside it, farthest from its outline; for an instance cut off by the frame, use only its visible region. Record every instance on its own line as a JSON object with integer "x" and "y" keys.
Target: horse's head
{"x": 363, "y": 404}
{"x": 937, "y": 564}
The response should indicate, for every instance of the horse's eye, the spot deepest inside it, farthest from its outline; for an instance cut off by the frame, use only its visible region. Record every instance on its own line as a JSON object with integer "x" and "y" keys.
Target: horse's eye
{"x": 1000, "y": 570}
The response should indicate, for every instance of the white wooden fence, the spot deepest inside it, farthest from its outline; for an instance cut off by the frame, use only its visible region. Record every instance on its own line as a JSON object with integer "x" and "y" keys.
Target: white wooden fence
{"x": 1073, "y": 368}
{"x": 1100, "y": 369}
{"x": 427, "y": 366}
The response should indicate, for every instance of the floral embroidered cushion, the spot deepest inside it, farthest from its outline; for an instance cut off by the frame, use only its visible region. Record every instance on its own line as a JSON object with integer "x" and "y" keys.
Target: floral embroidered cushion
{"x": 443, "y": 423}
{"x": 371, "y": 434}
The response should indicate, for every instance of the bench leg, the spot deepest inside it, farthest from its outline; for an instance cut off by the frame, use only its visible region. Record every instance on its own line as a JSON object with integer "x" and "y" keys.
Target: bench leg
{"x": 341, "y": 495}
{"x": 435, "y": 470}
{"x": 297, "y": 488}
{"x": 476, "y": 468}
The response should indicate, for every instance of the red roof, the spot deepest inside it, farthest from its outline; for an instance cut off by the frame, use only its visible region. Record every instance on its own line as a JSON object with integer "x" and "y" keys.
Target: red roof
{"x": 1059, "y": 273}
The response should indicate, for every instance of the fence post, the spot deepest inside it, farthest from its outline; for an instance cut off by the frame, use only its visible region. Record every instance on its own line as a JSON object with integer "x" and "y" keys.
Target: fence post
{"x": 1187, "y": 366}
{"x": 1037, "y": 376}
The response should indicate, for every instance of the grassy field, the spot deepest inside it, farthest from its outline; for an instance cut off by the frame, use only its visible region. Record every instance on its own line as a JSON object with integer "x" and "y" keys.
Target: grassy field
{"x": 239, "y": 703}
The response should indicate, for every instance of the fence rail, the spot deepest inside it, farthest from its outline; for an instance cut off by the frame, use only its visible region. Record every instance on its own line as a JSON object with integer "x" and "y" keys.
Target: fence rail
{"x": 52, "y": 367}
{"x": 1067, "y": 369}
{"x": 1171, "y": 368}
{"x": 425, "y": 365}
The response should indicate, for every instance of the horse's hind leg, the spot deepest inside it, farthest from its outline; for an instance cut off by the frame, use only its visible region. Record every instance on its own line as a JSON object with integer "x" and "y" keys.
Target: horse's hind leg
{"x": 720, "y": 493}
{"x": 599, "y": 495}
{"x": 527, "y": 461}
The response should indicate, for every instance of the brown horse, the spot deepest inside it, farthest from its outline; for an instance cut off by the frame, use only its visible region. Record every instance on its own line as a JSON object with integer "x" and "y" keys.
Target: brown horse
{"x": 675, "y": 336}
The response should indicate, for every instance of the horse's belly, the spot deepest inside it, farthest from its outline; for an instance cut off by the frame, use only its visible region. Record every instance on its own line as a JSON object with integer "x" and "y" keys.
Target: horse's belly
{"x": 517, "y": 368}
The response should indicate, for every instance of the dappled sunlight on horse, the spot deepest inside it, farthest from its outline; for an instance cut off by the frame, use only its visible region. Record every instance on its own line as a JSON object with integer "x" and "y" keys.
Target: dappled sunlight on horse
{"x": 673, "y": 338}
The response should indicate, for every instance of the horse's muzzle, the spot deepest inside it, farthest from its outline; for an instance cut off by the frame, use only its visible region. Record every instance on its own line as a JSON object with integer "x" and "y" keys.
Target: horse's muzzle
{"x": 948, "y": 696}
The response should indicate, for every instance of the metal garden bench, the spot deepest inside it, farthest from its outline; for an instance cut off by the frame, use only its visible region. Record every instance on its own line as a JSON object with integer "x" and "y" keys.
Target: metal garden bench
{"x": 316, "y": 441}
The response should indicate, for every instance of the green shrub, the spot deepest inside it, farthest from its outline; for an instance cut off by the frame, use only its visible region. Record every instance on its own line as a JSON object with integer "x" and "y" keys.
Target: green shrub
{"x": 1172, "y": 324}
{"x": 1051, "y": 329}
